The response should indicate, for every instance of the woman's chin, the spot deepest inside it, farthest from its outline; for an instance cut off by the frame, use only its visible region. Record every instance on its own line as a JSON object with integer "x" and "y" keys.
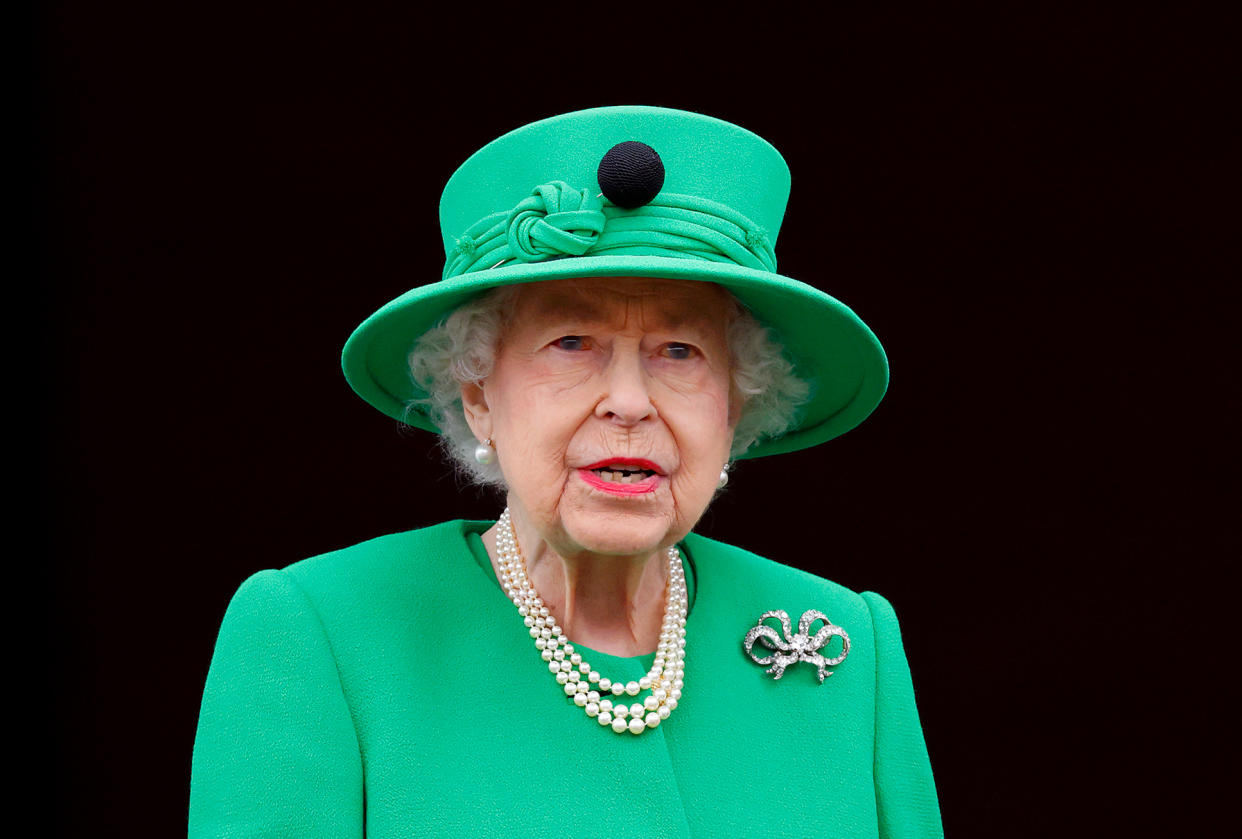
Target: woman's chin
{"x": 620, "y": 532}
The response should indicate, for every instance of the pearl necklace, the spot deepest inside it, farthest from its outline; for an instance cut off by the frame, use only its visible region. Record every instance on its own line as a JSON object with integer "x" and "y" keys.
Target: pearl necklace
{"x": 582, "y": 684}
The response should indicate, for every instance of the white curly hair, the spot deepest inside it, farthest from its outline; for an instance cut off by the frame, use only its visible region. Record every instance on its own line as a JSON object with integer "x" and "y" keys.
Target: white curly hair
{"x": 461, "y": 349}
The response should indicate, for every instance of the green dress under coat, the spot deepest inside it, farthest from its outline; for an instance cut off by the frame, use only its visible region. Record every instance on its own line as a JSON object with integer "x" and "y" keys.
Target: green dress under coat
{"x": 390, "y": 690}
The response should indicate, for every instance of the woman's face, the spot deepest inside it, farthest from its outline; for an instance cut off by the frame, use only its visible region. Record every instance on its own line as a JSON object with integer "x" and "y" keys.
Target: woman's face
{"x": 611, "y": 409}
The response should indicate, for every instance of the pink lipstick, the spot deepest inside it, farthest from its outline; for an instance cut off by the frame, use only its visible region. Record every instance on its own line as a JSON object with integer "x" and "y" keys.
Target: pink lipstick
{"x": 619, "y": 476}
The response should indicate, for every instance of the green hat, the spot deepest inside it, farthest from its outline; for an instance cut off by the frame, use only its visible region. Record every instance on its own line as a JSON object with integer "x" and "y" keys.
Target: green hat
{"x": 568, "y": 197}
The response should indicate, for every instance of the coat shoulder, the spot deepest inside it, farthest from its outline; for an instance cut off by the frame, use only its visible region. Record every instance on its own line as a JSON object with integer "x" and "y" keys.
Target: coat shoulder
{"x": 369, "y": 571}
{"x": 766, "y": 581}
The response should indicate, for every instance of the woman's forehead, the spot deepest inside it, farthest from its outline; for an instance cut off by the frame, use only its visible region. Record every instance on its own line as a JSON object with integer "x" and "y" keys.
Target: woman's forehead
{"x": 653, "y": 301}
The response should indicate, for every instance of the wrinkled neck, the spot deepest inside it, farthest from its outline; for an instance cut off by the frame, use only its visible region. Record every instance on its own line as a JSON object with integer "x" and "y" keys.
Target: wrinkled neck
{"x": 608, "y": 603}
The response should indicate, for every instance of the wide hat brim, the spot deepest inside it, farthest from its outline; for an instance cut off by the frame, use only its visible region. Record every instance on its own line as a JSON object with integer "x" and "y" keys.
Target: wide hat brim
{"x": 830, "y": 347}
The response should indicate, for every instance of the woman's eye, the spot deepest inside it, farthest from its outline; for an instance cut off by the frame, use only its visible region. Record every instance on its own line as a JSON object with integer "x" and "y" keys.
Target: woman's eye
{"x": 678, "y": 352}
{"x": 570, "y": 343}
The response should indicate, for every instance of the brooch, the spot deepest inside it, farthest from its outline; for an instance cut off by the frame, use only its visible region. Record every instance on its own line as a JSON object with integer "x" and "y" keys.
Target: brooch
{"x": 795, "y": 648}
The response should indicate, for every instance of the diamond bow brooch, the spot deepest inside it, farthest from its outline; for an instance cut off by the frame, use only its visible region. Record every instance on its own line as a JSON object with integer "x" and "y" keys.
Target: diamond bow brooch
{"x": 794, "y": 648}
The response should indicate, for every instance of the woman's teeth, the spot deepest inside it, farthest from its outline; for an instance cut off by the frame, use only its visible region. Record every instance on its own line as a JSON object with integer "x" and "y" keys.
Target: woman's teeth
{"x": 623, "y": 476}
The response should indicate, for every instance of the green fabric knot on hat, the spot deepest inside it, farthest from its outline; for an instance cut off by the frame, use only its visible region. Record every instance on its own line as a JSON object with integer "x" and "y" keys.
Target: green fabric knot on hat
{"x": 555, "y": 220}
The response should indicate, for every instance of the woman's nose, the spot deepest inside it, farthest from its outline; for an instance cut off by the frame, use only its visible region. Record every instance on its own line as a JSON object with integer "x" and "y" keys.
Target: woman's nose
{"x": 626, "y": 399}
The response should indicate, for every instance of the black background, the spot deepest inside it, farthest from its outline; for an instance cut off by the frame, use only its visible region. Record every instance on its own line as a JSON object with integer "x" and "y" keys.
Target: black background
{"x": 1027, "y": 207}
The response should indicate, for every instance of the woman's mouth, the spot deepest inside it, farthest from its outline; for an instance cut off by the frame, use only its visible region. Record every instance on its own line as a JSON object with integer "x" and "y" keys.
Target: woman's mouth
{"x": 622, "y": 475}
{"x": 631, "y": 477}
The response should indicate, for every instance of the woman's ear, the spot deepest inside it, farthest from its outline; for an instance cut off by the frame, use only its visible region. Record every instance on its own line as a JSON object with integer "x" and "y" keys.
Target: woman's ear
{"x": 478, "y": 413}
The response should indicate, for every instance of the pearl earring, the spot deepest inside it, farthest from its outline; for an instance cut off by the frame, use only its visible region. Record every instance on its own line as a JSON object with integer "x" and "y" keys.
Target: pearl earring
{"x": 485, "y": 452}
{"x": 724, "y": 476}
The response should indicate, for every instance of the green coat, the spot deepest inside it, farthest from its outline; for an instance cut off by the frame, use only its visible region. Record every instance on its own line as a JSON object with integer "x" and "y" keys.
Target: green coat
{"x": 391, "y": 690}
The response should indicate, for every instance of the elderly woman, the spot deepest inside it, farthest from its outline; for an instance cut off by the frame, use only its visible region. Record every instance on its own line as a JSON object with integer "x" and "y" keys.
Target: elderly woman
{"x": 609, "y": 334}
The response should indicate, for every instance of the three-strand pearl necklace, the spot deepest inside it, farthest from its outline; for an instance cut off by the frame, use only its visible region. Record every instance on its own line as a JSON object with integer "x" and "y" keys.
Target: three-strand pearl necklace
{"x": 582, "y": 684}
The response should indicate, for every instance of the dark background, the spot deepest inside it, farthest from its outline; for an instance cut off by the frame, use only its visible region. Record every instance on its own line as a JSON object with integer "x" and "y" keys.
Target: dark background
{"x": 1027, "y": 207}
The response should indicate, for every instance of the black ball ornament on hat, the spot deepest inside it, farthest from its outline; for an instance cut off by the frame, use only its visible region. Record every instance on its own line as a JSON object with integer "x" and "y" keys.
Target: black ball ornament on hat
{"x": 631, "y": 174}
